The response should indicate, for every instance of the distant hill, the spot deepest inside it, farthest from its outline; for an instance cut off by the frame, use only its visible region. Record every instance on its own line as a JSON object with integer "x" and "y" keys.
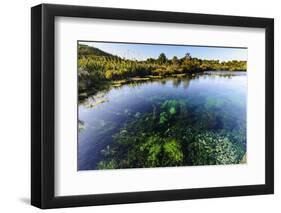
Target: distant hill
{"x": 85, "y": 50}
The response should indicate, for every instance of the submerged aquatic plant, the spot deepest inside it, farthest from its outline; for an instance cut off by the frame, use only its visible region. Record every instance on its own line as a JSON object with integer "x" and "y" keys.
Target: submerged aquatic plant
{"x": 210, "y": 149}
{"x": 173, "y": 106}
{"x": 213, "y": 102}
{"x": 169, "y": 136}
{"x": 172, "y": 152}
{"x": 163, "y": 118}
{"x": 112, "y": 164}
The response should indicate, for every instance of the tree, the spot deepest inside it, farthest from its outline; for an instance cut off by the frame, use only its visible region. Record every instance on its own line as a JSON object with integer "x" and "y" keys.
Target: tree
{"x": 150, "y": 60}
{"x": 187, "y": 56}
{"x": 162, "y": 59}
{"x": 175, "y": 61}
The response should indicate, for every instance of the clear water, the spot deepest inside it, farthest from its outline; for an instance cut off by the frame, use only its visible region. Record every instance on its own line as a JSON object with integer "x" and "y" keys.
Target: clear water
{"x": 220, "y": 94}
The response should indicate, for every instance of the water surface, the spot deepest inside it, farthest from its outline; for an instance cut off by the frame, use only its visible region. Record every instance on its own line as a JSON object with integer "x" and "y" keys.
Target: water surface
{"x": 213, "y": 101}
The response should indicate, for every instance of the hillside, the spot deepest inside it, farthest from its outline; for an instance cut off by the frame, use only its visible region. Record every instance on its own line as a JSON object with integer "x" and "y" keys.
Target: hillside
{"x": 85, "y": 50}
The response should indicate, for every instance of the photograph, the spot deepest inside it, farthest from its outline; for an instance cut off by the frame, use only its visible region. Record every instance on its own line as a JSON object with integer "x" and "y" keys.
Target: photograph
{"x": 160, "y": 105}
{"x": 139, "y": 105}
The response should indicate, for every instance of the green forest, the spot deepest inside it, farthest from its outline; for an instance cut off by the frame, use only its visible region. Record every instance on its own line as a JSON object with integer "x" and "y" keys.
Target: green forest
{"x": 97, "y": 70}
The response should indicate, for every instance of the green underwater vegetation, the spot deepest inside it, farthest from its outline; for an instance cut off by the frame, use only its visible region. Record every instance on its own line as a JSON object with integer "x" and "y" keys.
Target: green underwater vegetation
{"x": 167, "y": 137}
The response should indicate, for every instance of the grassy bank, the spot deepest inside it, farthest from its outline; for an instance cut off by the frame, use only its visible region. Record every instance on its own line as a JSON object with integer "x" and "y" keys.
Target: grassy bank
{"x": 97, "y": 70}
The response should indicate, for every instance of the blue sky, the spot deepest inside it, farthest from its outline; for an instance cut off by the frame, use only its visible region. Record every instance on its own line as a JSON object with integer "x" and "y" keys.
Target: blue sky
{"x": 144, "y": 51}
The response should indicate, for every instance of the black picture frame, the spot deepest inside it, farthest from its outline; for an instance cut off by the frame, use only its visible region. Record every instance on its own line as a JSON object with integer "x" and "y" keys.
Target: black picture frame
{"x": 43, "y": 102}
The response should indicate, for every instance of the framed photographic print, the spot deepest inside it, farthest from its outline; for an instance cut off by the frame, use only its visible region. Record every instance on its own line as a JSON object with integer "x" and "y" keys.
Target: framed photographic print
{"x": 139, "y": 106}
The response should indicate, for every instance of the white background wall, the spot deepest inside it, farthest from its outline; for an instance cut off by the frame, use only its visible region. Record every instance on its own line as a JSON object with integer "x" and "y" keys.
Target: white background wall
{"x": 15, "y": 105}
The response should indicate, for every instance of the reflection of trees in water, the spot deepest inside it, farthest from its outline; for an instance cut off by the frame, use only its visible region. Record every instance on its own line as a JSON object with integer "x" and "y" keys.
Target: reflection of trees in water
{"x": 99, "y": 97}
{"x": 81, "y": 125}
{"x": 185, "y": 82}
{"x": 94, "y": 100}
{"x": 163, "y": 81}
{"x": 212, "y": 76}
{"x": 176, "y": 82}
{"x": 217, "y": 74}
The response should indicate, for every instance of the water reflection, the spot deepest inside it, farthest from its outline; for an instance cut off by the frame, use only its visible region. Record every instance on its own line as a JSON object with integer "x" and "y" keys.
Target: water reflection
{"x": 213, "y": 100}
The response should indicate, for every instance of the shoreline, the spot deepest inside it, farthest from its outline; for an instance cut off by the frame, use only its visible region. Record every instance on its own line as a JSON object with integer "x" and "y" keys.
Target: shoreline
{"x": 105, "y": 85}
